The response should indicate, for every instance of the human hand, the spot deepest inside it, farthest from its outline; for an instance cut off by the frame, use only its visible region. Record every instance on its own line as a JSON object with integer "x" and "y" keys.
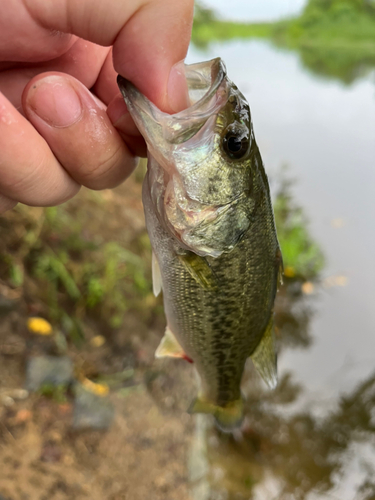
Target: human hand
{"x": 55, "y": 134}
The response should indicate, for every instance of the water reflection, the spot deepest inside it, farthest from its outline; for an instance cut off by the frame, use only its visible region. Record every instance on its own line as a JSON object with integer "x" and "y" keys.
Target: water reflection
{"x": 290, "y": 447}
{"x": 284, "y": 453}
{"x": 327, "y": 45}
{"x": 346, "y": 65}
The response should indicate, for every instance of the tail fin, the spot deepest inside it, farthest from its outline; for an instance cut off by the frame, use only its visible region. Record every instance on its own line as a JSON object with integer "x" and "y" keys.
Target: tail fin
{"x": 227, "y": 418}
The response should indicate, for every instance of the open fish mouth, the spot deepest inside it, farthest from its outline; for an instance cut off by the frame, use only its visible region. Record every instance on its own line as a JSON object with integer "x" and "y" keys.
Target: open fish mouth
{"x": 207, "y": 87}
{"x": 200, "y": 193}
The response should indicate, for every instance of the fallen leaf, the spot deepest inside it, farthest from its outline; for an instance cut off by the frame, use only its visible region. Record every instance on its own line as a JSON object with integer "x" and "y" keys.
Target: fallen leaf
{"x": 39, "y": 326}
{"x": 98, "y": 389}
{"x": 23, "y": 416}
{"x": 337, "y": 223}
{"x": 308, "y": 288}
{"x": 339, "y": 280}
{"x": 289, "y": 272}
{"x": 97, "y": 341}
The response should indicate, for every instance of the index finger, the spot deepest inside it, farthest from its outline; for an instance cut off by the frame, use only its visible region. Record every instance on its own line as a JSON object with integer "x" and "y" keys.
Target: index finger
{"x": 148, "y": 36}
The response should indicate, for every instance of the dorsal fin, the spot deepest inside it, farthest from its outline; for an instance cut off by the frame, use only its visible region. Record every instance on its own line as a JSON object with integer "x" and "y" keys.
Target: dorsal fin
{"x": 265, "y": 358}
{"x": 156, "y": 276}
{"x": 169, "y": 347}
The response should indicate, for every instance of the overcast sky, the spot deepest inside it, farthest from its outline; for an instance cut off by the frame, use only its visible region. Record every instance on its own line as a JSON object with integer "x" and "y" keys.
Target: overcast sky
{"x": 255, "y": 10}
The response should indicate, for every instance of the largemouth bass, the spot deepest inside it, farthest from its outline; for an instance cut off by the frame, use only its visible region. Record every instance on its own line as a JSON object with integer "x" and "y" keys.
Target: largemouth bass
{"x": 215, "y": 250}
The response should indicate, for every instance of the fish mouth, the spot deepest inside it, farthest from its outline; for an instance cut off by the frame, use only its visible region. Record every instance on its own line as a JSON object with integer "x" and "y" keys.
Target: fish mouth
{"x": 207, "y": 87}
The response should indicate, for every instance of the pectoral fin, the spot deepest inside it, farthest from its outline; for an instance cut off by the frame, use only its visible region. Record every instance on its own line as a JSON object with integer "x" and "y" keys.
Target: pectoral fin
{"x": 156, "y": 276}
{"x": 169, "y": 347}
{"x": 199, "y": 269}
{"x": 227, "y": 418}
{"x": 265, "y": 358}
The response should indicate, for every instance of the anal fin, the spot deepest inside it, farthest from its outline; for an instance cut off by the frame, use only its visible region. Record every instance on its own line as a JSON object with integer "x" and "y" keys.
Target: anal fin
{"x": 169, "y": 347}
{"x": 156, "y": 276}
{"x": 265, "y": 358}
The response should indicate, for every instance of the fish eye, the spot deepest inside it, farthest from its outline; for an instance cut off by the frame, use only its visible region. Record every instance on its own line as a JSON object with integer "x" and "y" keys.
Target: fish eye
{"x": 235, "y": 145}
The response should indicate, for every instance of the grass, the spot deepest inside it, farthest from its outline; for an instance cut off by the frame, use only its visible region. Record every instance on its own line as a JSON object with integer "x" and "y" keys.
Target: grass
{"x": 84, "y": 259}
{"x": 302, "y": 257}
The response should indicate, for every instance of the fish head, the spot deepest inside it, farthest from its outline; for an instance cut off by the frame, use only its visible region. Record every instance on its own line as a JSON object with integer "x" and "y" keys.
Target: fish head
{"x": 201, "y": 157}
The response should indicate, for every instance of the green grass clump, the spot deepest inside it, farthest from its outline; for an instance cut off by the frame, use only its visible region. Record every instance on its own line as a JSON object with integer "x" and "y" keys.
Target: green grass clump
{"x": 57, "y": 393}
{"x": 78, "y": 261}
{"x": 302, "y": 257}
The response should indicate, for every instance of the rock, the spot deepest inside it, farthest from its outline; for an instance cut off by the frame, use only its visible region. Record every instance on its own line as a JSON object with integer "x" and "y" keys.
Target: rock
{"x": 6, "y": 401}
{"x": 51, "y": 452}
{"x": 91, "y": 411}
{"x": 13, "y": 345}
{"x": 23, "y": 416}
{"x": 19, "y": 394}
{"x": 6, "y": 306}
{"x": 54, "y": 370}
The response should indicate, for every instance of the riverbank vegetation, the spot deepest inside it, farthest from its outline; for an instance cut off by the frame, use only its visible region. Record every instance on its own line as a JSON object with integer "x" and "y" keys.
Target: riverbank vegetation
{"x": 335, "y": 38}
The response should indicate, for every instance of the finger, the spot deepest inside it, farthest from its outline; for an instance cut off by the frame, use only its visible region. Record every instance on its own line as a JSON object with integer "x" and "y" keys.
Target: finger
{"x": 29, "y": 172}
{"x": 6, "y": 204}
{"x": 78, "y": 130}
{"x": 107, "y": 90}
{"x": 24, "y": 39}
{"x": 123, "y": 122}
{"x": 83, "y": 60}
{"x": 149, "y": 37}
{"x": 150, "y": 46}
{"x": 106, "y": 84}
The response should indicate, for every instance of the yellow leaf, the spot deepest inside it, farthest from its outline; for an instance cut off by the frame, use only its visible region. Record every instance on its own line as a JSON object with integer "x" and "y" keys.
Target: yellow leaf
{"x": 97, "y": 341}
{"x": 337, "y": 223}
{"x": 308, "y": 288}
{"x": 98, "y": 389}
{"x": 339, "y": 280}
{"x": 289, "y": 272}
{"x": 39, "y": 326}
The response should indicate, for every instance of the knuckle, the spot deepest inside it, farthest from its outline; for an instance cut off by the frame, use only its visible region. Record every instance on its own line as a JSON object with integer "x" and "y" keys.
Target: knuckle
{"x": 22, "y": 179}
{"x": 40, "y": 182}
{"x": 107, "y": 171}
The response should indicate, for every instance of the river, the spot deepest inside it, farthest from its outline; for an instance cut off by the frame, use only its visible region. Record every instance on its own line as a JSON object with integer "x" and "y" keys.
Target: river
{"x": 324, "y": 131}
